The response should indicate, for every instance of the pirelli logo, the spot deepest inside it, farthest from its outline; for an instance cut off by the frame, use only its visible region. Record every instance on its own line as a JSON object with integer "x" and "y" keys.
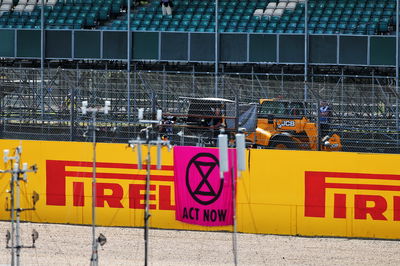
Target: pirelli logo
{"x": 110, "y": 189}
{"x": 381, "y": 202}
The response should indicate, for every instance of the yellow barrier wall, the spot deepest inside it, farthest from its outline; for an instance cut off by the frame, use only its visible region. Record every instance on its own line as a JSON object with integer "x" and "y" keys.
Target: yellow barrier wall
{"x": 283, "y": 192}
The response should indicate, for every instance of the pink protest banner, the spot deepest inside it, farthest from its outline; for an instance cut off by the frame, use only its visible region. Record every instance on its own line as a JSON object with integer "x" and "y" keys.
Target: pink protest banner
{"x": 201, "y": 196}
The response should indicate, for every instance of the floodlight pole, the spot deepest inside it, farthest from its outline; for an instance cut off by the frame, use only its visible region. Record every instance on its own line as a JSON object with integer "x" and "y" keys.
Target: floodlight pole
{"x": 15, "y": 179}
{"x": 138, "y": 143}
{"x": 94, "y": 260}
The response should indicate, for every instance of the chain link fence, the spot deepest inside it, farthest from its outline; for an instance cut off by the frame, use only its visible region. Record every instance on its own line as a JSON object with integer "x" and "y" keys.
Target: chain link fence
{"x": 364, "y": 110}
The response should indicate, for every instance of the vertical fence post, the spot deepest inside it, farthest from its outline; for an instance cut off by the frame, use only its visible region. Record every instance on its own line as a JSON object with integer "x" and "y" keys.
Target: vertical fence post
{"x": 72, "y": 105}
{"x": 305, "y": 50}
{"x": 128, "y": 61}
{"x": 216, "y": 50}
{"x": 397, "y": 73}
{"x": 193, "y": 81}
{"x": 42, "y": 56}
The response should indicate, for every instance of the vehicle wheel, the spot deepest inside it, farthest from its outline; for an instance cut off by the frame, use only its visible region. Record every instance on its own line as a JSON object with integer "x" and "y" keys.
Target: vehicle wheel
{"x": 281, "y": 143}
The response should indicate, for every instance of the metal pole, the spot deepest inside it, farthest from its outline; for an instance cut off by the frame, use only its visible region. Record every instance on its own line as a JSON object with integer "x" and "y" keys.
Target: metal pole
{"x": 147, "y": 201}
{"x": 216, "y": 50}
{"x": 252, "y": 82}
{"x": 12, "y": 220}
{"x": 17, "y": 231}
{"x": 42, "y": 55}
{"x": 94, "y": 260}
{"x": 128, "y": 63}
{"x": 72, "y": 103}
{"x": 193, "y": 81}
{"x": 305, "y": 50}
{"x": 397, "y": 72}
{"x": 234, "y": 238}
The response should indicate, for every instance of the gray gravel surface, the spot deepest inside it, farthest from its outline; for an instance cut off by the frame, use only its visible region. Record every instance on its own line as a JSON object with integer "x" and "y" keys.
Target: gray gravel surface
{"x": 71, "y": 245}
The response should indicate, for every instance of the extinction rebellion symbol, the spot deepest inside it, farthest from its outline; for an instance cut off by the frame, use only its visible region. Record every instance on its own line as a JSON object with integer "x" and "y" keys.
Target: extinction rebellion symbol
{"x": 202, "y": 178}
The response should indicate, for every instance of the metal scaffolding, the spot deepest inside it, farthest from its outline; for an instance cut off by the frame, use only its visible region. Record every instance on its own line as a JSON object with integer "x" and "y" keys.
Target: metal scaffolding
{"x": 364, "y": 105}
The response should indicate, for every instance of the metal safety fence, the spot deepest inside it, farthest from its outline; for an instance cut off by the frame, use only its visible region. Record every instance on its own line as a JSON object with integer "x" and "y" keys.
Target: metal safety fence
{"x": 364, "y": 111}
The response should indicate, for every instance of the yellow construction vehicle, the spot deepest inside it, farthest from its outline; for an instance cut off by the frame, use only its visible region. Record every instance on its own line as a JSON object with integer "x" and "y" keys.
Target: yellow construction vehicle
{"x": 285, "y": 125}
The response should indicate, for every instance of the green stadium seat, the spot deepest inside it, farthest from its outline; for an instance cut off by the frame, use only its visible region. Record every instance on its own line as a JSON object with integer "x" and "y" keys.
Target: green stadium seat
{"x": 282, "y": 26}
{"x": 60, "y": 21}
{"x": 328, "y": 12}
{"x": 286, "y": 18}
{"x": 53, "y": 14}
{"x": 50, "y": 21}
{"x": 351, "y": 26}
{"x": 345, "y": 19}
{"x": 291, "y": 26}
{"x": 383, "y": 27}
{"x": 334, "y": 19}
{"x": 272, "y": 25}
{"x": 154, "y": 22}
{"x": 203, "y": 23}
{"x": 301, "y": 25}
{"x": 341, "y": 26}
{"x": 347, "y": 12}
{"x": 324, "y": 19}
{"x": 331, "y": 26}
{"x": 209, "y": 10}
{"x": 69, "y": 22}
{"x": 57, "y": 8}
{"x": 73, "y": 15}
{"x": 337, "y": 12}
{"x": 355, "y": 18}
{"x": 85, "y": 9}
{"x": 322, "y": 26}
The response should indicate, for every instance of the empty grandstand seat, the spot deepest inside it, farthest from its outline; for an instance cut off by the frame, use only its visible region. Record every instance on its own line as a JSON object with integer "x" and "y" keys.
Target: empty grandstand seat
{"x": 278, "y": 12}
{"x": 29, "y": 8}
{"x": 271, "y": 5}
{"x": 291, "y": 5}
{"x": 281, "y": 5}
{"x": 51, "y": 2}
{"x": 258, "y": 12}
{"x": 19, "y": 8}
{"x": 268, "y": 12}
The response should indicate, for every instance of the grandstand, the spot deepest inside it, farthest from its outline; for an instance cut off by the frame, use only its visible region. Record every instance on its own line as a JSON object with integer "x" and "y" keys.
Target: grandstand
{"x": 343, "y": 51}
{"x": 325, "y": 17}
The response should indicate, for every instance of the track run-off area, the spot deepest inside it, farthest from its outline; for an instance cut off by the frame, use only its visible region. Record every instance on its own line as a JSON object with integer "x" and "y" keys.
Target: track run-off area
{"x": 71, "y": 245}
